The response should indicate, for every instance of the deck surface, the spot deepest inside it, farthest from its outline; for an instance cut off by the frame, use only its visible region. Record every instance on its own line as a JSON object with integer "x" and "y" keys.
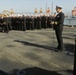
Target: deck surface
{"x": 34, "y": 49}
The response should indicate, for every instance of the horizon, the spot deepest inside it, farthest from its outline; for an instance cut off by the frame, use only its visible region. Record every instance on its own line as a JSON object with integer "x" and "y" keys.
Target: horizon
{"x": 29, "y": 6}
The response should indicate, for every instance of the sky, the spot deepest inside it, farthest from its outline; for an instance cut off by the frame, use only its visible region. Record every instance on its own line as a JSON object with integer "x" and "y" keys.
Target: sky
{"x": 30, "y": 5}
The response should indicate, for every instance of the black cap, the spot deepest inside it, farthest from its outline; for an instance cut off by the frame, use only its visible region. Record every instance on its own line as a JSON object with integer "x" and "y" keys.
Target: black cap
{"x": 58, "y": 7}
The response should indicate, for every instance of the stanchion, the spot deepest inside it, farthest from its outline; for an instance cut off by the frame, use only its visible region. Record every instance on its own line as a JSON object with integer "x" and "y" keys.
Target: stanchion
{"x": 75, "y": 59}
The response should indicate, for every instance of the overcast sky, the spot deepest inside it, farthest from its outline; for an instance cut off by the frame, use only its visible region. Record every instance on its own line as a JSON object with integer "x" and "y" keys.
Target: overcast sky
{"x": 29, "y": 5}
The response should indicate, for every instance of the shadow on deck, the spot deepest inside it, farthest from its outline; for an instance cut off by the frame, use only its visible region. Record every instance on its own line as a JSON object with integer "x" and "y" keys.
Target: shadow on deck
{"x": 33, "y": 71}
{"x": 34, "y": 44}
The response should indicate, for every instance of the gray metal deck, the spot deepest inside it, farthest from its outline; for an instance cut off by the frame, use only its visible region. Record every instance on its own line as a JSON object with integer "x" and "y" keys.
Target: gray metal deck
{"x": 22, "y": 50}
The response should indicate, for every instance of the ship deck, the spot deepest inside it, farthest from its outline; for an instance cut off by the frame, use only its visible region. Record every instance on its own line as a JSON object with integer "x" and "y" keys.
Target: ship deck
{"x": 33, "y": 51}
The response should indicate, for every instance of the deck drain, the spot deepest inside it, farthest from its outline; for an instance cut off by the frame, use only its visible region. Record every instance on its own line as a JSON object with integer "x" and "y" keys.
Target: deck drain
{"x": 21, "y": 72}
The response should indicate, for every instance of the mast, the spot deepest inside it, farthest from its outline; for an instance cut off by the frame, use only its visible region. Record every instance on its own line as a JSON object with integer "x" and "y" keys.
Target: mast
{"x": 52, "y": 7}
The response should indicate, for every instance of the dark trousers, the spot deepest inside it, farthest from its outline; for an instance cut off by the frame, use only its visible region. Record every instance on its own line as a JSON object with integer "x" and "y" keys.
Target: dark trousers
{"x": 5, "y": 28}
{"x": 59, "y": 39}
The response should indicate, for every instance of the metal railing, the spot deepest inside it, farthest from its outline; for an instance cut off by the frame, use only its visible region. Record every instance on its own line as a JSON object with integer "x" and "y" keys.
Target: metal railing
{"x": 70, "y": 21}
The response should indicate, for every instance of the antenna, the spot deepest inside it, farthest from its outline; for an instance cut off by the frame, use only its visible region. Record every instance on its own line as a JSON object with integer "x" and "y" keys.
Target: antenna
{"x": 52, "y": 7}
{"x": 46, "y": 7}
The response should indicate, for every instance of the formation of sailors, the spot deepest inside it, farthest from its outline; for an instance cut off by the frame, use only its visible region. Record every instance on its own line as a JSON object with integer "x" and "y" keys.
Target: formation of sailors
{"x": 24, "y": 23}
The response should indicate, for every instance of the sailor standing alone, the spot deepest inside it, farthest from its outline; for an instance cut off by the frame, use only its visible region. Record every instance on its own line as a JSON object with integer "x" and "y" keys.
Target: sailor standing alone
{"x": 58, "y": 27}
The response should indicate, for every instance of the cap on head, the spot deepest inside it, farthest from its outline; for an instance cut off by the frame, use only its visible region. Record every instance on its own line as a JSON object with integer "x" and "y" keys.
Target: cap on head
{"x": 58, "y": 7}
